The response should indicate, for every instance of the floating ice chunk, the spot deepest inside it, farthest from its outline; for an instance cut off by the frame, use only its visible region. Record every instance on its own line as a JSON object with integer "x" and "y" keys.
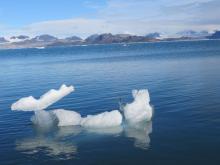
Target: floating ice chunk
{"x": 140, "y": 108}
{"x": 66, "y": 118}
{"x": 43, "y": 119}
{"x": 136, "y": 111}
{"x": 26, "y": 104}
{"x": 102, "y": 120}
{"x": 32, "y": 104}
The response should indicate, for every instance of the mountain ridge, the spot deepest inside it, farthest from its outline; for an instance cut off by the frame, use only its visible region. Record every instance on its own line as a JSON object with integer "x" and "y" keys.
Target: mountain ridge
{"x": 46, "y": 40}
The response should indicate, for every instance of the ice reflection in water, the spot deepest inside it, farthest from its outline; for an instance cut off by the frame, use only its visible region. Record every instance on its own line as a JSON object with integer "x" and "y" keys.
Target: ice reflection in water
{"x": 68, "y": 131}
{"x": 61, "y": 142}
{"x": 106, "y": 131}
{"x": 140, "y": 133}
{"x": 48, "y": 146}
{"x": 53, "y": 145}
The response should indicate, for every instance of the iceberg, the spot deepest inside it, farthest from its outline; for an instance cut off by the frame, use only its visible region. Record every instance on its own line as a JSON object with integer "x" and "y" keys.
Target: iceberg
{"x": 66, "y": 118}
{"x": 50, "y": 97}
{"x": 140, "y": 109}
{"x": 102, "y": 120}
{"x": 134, "y": 112}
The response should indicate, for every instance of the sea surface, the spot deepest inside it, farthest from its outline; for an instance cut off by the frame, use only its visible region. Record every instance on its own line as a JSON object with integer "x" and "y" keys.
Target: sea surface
{"x": 183, "y": 79}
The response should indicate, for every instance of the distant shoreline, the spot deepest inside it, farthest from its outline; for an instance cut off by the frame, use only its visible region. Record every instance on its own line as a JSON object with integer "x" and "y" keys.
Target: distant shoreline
{"x": 46, "y": 40}
{"x": 97, "y": 44}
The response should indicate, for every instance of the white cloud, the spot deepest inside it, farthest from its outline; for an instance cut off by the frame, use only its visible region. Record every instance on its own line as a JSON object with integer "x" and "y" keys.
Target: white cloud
{"x": 136, "y": 17}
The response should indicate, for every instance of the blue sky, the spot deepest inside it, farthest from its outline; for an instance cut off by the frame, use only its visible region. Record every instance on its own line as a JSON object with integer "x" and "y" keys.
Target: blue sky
{"x": 22, "y": 12}
{"x": 84, "y": 17}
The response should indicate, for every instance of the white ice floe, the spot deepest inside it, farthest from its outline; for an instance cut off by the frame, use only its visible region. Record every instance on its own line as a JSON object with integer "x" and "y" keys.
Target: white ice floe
{"x": 102, "y": 120}
{"x": 66, "y": 118}
{"x": 43, "y": 119}
{"x": 63, "y": 117}
{"x": 32, "y": 104}
{"x": 140, "y": 109}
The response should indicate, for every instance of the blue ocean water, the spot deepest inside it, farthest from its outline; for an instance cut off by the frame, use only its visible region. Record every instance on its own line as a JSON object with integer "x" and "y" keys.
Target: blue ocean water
{"x": 183, "y": 80}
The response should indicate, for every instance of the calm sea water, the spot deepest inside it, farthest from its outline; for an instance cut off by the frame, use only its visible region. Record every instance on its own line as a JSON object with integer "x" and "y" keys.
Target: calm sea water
{"x": 183, "y": 79}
